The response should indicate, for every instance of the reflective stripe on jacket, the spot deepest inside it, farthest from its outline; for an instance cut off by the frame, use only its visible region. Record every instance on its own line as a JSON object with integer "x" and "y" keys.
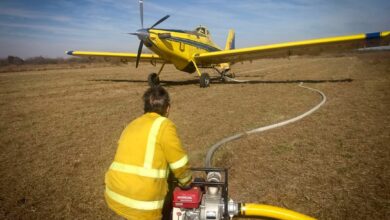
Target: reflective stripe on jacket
{"x": 136, "y": 182}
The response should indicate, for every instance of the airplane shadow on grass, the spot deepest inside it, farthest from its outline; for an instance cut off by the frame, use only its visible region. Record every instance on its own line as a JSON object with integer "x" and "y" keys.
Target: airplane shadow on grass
{"x": 216, "y": 81}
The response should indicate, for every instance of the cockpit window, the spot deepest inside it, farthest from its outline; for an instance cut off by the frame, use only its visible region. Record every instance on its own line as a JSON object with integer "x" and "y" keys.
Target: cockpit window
{"x": 202, "y": 30}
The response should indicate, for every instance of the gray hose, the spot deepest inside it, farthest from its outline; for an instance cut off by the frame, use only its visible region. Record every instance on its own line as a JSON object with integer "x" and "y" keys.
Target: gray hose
{"x": 213, "y": 148}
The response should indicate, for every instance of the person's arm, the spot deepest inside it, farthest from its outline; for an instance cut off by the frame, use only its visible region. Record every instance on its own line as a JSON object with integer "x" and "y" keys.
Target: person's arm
{"x": 175, "y": 155}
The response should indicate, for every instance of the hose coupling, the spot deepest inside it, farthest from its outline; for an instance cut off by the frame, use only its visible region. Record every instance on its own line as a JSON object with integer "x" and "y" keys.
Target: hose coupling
{"x": 232, "y": 208}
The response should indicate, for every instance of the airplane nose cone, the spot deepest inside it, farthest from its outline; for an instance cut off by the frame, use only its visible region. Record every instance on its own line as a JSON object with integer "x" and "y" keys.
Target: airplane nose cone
{"x": 142, "y": 34}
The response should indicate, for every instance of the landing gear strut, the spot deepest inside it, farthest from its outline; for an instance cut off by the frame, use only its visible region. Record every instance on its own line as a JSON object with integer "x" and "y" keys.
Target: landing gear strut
{"x": 204, "y": 78}
{"x": 226, "y": 75}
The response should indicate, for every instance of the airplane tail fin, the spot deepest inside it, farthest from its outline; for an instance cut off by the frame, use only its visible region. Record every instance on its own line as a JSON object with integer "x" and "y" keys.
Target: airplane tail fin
{"x": 231, "y": 40}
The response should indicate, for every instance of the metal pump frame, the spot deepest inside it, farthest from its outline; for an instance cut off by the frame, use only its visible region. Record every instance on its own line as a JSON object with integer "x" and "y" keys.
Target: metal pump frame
{"x": 223, "y": 184}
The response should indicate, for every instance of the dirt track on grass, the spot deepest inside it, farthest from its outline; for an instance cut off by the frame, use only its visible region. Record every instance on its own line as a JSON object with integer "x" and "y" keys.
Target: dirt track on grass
{"x": 58, "y": 133}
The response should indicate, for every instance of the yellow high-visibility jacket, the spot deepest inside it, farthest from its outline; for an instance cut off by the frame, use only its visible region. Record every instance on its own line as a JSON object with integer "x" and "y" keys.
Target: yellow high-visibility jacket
{"x": 136, "y": 182}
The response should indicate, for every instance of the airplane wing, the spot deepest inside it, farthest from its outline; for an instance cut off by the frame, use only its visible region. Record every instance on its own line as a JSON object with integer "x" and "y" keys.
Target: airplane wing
{"x": 124, "y": 57}
{"x": 316, "y": 46}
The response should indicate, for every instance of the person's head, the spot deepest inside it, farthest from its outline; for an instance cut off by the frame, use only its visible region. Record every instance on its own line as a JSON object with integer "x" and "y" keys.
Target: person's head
{"x": 156, "y": 99}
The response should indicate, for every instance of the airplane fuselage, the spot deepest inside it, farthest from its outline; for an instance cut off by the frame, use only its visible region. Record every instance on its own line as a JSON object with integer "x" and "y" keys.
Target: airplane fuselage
{"x": 179, "y": 47}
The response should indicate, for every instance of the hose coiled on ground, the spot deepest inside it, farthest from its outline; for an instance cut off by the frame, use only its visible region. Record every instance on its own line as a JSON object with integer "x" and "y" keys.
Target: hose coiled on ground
{"x": 213, "y": 148}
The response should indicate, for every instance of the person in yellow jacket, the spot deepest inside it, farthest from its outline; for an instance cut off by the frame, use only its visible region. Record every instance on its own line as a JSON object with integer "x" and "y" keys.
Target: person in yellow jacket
{"x": 148, "y": 149}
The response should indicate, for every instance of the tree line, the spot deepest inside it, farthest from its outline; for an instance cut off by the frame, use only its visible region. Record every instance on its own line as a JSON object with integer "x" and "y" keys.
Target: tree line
{"x": 39, "y": 60}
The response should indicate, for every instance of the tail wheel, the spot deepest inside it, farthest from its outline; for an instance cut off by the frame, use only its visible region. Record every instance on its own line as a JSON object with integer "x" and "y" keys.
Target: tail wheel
{"x": 204, "y": 80}
{"x": 153, "y": 80}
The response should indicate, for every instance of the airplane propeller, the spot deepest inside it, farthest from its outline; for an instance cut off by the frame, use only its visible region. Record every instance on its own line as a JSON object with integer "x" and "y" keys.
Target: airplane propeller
{"x": 143, "y": 33}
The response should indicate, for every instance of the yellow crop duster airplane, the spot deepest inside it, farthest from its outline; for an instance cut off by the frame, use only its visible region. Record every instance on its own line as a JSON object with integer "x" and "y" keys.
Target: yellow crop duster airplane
{"x": 190, "y": 50}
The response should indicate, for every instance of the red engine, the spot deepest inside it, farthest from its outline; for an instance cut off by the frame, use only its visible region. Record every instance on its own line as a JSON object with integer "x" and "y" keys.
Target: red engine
{"x": 188, "y": 199}
{"x": 206, "y": 199}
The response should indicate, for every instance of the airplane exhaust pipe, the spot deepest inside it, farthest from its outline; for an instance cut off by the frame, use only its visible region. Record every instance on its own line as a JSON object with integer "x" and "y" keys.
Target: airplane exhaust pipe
{"x": 163, "y": 36}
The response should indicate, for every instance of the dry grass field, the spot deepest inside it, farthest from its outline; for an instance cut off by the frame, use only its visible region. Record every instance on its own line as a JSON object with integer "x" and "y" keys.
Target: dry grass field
{"x": 58, "y": 133}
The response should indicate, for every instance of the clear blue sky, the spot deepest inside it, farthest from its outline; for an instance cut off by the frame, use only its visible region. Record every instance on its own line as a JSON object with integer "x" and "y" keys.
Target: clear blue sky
{"x": 49, "y": 27}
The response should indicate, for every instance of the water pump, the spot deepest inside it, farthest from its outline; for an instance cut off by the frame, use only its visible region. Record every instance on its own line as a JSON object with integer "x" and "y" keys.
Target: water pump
{"x": 207, "y": 199}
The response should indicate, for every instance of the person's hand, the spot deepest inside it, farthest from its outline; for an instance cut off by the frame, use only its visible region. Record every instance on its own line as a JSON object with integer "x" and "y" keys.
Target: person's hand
{"x": 187, "y": 187}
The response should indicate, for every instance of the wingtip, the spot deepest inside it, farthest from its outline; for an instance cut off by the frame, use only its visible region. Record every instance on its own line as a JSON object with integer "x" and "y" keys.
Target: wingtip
{"x": 385, "y": 33}
{"x": 377, "y": 35}
{"x": 70, "y": 52}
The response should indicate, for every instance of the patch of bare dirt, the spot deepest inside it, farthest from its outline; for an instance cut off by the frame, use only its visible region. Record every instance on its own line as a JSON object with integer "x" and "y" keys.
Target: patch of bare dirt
{"x": 58, "y": 133}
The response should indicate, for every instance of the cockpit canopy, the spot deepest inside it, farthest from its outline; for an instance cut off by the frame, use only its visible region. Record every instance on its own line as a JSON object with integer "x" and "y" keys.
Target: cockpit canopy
{"x": 202, "y": 30}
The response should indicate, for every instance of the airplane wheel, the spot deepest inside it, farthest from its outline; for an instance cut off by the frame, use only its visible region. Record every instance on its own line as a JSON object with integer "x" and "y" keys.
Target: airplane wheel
{"x": 204, "y": 80}
{"x": 153, "y": 80}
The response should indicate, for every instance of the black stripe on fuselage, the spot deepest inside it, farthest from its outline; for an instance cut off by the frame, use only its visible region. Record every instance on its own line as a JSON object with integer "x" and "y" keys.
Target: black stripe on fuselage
{"x": 197, "y": 44}
{"x": 181, "y": 31}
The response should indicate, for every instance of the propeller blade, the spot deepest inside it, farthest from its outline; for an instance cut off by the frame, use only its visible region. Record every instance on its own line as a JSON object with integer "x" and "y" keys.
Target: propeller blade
{"x": 159, "y": 21}
{"x": 139, "y": 53}
{"x": 141, "y": 10}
